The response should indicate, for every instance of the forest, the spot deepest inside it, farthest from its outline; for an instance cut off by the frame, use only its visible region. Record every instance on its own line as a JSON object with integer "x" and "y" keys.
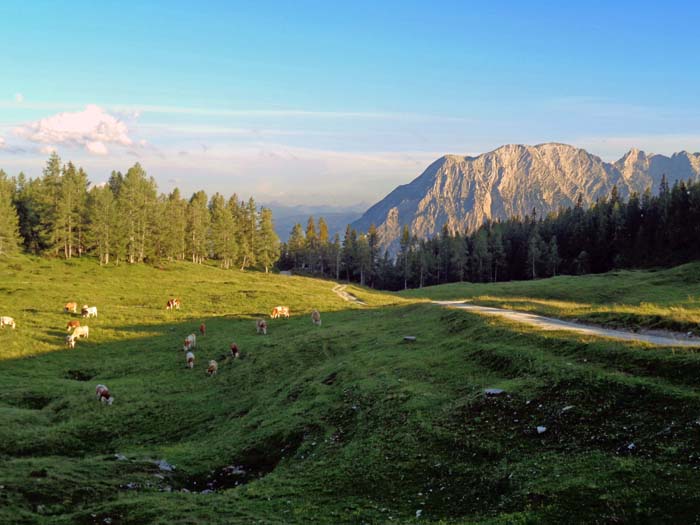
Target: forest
{"x": 126, "y": 220}
{"x": 641, "y": 231}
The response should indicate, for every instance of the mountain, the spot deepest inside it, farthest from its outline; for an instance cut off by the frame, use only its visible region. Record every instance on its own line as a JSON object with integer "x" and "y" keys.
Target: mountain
{"x": 512, "y": 180}
{"x": 337, "y": 217}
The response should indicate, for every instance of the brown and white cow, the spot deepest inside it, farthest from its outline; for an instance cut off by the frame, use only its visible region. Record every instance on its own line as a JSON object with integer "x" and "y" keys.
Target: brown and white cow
{"x": 190, "y": 342}
{"x": 280, "y": 311}
{"x": 173, "y": 304}
{"x": 103, "y": 394}
{"x": 71, "y": 307}
{"x": 213, "y": 368}
{"x": 189, "y": 359}
{"x": 235, "y": 353}
{"x": 7, "y": 321}
{"x": 261, "y": 326}
{"x": 316, "y": 317}
{"x": 72, "y": 324}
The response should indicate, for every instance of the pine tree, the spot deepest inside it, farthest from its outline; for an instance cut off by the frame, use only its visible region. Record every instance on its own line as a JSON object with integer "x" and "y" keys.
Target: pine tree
{"x": 311, "y": 244}
{"x": 295, "y": 245}
{"x": 269, "y": 250}
{"x": 103, "y": 218}
{"x": 9, "y": 221}
{"x": 323, "y": 240}
{"x": 198, "y": 220}
{"x": 223, "y": 232}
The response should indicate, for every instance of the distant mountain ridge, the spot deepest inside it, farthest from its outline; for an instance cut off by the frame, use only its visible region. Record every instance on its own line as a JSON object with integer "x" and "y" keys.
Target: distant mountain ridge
{"x": 512, "y": 180}
{"x": 336, "y": 217}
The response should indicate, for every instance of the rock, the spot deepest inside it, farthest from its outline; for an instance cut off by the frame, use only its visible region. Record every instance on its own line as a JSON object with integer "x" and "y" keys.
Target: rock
{"x": 131, "y": 486}
{"x": 409, "y": 338}
{"x": 631, "y": 447}
{"x": 567, "y": 408}
{"x": 493, "y": 391}
{"x": 164, "y": 466}
{"x": 418, "y": 513}
{"x": 207, "y": 491}
{"x": 541, "y": 430}
{"x": 120, "y": 457}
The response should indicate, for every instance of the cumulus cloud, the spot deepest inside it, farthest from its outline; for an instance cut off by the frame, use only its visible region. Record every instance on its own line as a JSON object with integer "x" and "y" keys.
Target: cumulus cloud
{"x": 93, "y": 129}
{"x": 47, "y": 150}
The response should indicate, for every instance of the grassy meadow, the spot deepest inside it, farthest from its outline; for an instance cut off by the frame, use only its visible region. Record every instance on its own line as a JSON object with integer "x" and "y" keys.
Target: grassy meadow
{"x": 342, "y": 423}
{"x": 660, "y": 299}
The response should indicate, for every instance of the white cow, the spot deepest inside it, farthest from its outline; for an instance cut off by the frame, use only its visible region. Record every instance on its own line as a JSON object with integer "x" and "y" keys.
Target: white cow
{"x": 81, "y": 331}
{"x": 89, "y": 311}
{"x": 189, "y": 359}
{"x": 70, "y": 341}
{"x": 7, "y": 321}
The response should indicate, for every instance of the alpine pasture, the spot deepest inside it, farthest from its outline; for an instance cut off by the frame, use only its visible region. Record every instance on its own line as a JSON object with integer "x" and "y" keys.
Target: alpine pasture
{"x": 339, "y": 423}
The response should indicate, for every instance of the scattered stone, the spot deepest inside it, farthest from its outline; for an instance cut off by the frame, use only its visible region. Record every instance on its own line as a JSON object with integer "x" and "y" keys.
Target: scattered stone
{"x": 541, "y": 430}
{"x": 631, "y": 447}
{"x": 120, "y": 457}
{"x": 131, "y": 486}
{"x": 107, "y": 521}
{"x": 164, "y": 466}
{"x": 409, "y": 338}
{"x": 567, "y": 408}
{"x": 493, "y": 391}
{"x": 207, "y": 491}
{"x": 418, "y": 513}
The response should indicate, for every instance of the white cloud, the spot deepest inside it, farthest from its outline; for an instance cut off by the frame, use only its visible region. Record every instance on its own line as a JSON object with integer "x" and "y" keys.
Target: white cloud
{"x": 47, "y": 150}
{"x": 93, "y": 128}
{"x": 96, "y": 147}
{"x": 19, "y": 98}
{"x": 2, "y": 142}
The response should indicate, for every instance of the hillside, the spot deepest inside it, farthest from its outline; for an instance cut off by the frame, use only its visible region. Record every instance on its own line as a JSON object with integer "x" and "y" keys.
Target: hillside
{"x": 343, "y": 423}
{"x": 512, "y": 180}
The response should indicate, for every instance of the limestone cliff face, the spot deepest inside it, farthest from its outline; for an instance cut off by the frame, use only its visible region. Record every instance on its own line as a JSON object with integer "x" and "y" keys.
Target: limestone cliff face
{"x": 512, "y": 180}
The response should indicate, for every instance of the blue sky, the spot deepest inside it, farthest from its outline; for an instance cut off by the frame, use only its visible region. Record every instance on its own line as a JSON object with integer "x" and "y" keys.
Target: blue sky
{"x": 322, "y": 102}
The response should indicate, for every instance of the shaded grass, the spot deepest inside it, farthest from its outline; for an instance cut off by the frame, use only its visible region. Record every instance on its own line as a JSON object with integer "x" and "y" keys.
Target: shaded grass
{"x": 344, "y": 423}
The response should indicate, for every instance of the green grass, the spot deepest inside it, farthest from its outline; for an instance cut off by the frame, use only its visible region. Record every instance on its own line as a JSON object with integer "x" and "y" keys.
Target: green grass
{"x": 663, "y": 299}
{"x": 343, "y": 423}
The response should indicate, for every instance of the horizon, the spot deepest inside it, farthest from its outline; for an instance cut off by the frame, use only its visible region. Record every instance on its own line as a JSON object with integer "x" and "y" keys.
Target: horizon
{"x": 326, "y": 105}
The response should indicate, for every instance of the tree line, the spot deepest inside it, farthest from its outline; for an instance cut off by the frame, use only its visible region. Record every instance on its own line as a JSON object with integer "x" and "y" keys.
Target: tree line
{"x": 641, "y": 231}
{"x": 126, "y": 220}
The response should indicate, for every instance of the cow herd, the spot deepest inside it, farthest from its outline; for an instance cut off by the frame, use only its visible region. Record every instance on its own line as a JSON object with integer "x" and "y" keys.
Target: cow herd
{"x": 77, "y": 331}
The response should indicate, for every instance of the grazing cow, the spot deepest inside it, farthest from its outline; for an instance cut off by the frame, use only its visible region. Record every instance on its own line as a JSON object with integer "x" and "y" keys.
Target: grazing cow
{"x": 189, "y": 359}
{"x": 89, "y": 311}
{"x": 280, "y": 311}
{"x": 70, "y": 341}
{"x": 212, "y": 368}
{"x": 102, "y": 393}
{"x": 203, "y": 329}
{"x": 173, "y": 304}
{"x": 261, "y": 326}
{"x": 72, "y": 324}
{"x": 81, "y": 331}
{"x": 7, "y": 321}
{"x": 235, "y": 353}
{"x": 71, "y": 308}
{"x": 316, "y": 317}
{"x": 190, "y": 342}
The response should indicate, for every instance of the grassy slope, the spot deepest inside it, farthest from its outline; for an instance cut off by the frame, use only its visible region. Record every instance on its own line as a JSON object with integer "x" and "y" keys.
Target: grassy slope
{"x": 664, "y": 299}
{"x": 362, "y": 428}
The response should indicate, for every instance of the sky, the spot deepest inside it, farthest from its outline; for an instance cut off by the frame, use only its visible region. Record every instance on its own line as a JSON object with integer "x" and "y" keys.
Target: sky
{"x": 337, "y": 102}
